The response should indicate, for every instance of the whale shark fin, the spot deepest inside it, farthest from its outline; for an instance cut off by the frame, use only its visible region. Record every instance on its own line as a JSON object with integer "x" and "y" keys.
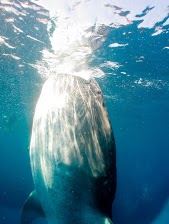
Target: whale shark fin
{"x": 31, "y": 210}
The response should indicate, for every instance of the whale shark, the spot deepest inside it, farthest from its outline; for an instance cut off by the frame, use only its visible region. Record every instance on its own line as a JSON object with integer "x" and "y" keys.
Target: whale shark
{"x": 72, "y": 154}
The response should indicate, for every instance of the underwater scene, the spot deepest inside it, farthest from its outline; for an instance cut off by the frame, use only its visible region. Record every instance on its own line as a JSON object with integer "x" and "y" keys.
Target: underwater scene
{"x": 124, "y": 45}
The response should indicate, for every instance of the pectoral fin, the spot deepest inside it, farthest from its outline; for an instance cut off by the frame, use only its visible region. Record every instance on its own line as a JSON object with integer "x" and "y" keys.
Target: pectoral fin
{"x": 32, "y": 209}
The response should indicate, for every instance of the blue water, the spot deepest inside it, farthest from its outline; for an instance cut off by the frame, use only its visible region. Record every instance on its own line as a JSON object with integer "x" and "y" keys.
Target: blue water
{"x": 138, "y": 106}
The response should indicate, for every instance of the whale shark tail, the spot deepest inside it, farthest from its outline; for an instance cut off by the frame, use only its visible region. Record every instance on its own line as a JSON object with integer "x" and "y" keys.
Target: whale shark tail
{"x": 31, "y": 210}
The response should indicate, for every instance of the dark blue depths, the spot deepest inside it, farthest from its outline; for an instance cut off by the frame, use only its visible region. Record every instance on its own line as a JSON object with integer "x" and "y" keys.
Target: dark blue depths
{"x": 138, "y": 106}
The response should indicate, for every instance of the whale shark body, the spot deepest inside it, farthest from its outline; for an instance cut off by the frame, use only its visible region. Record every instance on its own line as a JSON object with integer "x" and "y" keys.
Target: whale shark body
{"x": 72, "y": 154}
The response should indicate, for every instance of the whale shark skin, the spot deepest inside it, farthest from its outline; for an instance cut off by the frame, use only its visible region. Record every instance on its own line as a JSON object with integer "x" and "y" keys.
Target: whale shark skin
{"x": 72, "y": 154}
